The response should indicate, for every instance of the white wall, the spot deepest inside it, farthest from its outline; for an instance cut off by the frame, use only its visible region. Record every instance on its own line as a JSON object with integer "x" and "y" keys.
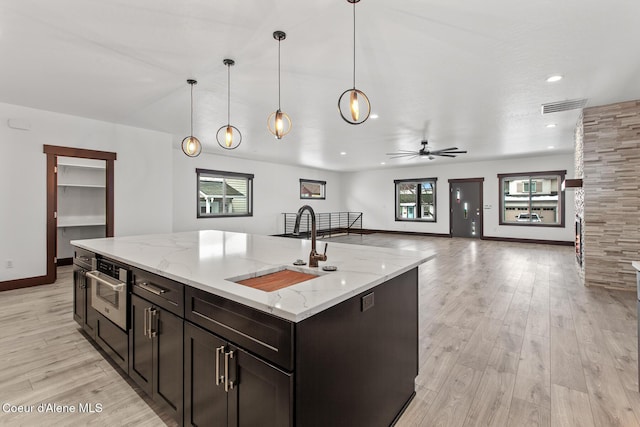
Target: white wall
{"x": 155, "y": 187}
{"x": 372, "y": 192}
{"x": 143, "y": 173}
{"x": 276, "y": 189}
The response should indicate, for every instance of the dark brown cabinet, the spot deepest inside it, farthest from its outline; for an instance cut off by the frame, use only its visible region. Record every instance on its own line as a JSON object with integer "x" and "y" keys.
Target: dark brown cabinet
{"x": 83, "y": 313}
{"x": 211, "y": 361}
{"x": 79, "y": 295}
{"x": 227, "y": 386}
{"x": 155, "y": 354}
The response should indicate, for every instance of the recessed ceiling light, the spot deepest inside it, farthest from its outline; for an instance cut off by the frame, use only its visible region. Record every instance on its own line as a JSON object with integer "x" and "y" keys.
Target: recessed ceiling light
{"x": 552, "y": 79}
{"x": 551, "y": 125}
{"x": 374, "y": 116}
{"x": 551, "y": 147}
{"x": 343, "y": 153}
{"x": 382, "y": 163}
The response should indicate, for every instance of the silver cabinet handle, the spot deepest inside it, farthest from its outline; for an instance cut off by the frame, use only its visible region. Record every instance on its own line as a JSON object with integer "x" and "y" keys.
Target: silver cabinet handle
{"x": 153, "y": 329}
{"x": 227, "y": 384}
{"x": 117, "y": 286}
{"x": 145, "y": 321}
{"x": 219, "y": 350}
{"x": 151, "y": 288}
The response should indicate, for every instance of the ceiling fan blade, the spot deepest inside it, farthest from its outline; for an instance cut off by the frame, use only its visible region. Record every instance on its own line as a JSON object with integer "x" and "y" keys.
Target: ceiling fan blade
{"x": 404, "y": 151}
{"x": 443, "y": 155}
{"x": 397, "y": 155}
{"x": 450, "y": 151}
{"x": 447, "y": 149}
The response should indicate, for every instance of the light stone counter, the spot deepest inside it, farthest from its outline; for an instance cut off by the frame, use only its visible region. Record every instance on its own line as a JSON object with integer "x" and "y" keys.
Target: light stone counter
{"x": 206, "y": 259}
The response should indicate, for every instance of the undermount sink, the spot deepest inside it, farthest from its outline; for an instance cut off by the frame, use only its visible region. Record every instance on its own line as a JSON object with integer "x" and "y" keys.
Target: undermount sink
{"x": 274, "y": 279}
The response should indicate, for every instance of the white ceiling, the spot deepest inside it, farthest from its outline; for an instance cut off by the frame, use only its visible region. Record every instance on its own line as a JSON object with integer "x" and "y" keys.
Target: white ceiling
{"x": 465, "y": 74}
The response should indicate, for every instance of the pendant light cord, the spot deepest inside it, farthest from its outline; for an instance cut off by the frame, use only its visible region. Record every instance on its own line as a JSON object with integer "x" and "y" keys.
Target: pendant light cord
{"x": 191, "y": 109}
{"x": 279, "y": 40}
{"x": 354, "y": 45}
{"x": 228, "y": 94}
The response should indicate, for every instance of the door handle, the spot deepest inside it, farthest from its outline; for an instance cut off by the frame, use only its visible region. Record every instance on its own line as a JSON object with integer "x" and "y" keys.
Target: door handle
{"x": 145, "y": 316}
{"x": 153, "y": 318}
{"x": 228, "y": 385}
{"x": 219, "y": 350}
{"x": 117, "y": 286}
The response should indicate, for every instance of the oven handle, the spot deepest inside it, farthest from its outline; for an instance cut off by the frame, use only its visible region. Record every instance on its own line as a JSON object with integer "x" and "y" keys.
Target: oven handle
{"x": 118, "y": 287}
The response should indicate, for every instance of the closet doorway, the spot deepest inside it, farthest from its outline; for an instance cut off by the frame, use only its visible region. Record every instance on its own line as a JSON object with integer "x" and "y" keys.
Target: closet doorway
{"x": 81, "y": 181}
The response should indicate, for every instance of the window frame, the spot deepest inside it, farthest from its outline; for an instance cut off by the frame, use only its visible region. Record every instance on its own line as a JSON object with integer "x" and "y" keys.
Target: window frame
{"x": 323, "y": 186}
{"x": 224, "y": 175}
{"x": 434, "y": 182}
{"x": 561, "y": 197}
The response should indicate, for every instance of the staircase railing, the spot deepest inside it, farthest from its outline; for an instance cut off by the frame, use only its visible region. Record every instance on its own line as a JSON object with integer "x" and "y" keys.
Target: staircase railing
{"x": 327, "y": 223}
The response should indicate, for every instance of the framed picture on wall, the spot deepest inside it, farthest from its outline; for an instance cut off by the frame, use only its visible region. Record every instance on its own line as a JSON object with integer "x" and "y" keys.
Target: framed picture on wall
{"x": 312, "y": 189}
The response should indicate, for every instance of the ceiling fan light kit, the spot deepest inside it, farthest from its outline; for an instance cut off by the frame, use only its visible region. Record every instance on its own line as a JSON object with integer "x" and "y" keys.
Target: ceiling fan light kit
{"x": 278, "y": 122}
{"x": 231, "y": 138}
{"x": 355, "y": 108}
{"x": 191, "y": 145}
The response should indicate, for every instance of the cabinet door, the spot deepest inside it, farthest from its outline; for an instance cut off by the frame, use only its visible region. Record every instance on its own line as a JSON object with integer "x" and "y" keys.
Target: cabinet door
{"x": 140, "y": 345}
{"x": 91, "y": 315}
{"x": 205, "y": 403}
{"x": 79, "y": 295}
{"x": 167, "y": 352}
{"x": 262, "y": 395}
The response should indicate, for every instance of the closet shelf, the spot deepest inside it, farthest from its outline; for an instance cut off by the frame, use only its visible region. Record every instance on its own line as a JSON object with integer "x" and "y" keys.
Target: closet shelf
{"x": 80, "y": 221}
{"x": 82, "y": 185}
{"x": 74, "y": 165}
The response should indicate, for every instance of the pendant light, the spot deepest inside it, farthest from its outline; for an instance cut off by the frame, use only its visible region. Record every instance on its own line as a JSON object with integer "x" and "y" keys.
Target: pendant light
{"x": 278, "y": 122}
{"x": 191, "y": 145}
{"x": 229, "y": 141}
{"x": 358, "y": 106}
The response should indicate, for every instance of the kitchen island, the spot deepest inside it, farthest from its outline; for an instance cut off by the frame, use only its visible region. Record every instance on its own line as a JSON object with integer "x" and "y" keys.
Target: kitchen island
{"x": 340, "y": 348}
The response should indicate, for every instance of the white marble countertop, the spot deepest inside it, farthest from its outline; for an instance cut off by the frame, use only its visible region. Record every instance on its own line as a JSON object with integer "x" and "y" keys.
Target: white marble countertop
{"x": 206, "y": 259}
{"x": 636, "y": 265}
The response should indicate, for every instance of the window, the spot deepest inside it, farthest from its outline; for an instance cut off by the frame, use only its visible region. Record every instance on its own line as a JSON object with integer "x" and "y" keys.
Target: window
{"x": 416, "y": 199}
{"x": 224, "y": 194}
{"x": 310, "y": 189}
{"x": 532, "y": 198}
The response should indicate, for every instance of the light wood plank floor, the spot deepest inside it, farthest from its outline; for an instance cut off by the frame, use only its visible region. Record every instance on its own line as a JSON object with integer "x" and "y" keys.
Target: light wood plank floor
{"x": 508, "y": 337}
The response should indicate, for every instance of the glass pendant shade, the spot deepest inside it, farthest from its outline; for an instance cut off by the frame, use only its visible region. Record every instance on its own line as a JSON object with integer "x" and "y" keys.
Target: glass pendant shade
{"x": 354, "y": 109}
{"x": 228, "y": 137}
{"x": 191, "y": 145}
{"x": 278, "y": 122}
{"x": 356, "y": 105}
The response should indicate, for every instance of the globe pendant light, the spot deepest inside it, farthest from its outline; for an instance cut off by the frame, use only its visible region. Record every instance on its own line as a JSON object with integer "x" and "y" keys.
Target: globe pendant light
{"x": 278, "y": 122}
{"x": 191, "y": 145}
{"x": 229, "y": 141}
{"x": 358, "y": 107}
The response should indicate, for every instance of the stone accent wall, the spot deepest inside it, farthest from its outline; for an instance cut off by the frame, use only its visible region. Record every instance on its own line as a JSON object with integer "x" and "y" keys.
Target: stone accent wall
{"x": 579, "y": 192}
{"x": 611, "y": 184}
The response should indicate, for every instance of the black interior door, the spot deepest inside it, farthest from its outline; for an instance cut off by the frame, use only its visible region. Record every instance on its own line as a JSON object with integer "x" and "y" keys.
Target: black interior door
{"x": 466, "y": 208}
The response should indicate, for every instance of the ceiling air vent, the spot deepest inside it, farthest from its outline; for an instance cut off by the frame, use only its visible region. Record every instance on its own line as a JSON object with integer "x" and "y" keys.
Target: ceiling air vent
{"x": 556, "y": 107}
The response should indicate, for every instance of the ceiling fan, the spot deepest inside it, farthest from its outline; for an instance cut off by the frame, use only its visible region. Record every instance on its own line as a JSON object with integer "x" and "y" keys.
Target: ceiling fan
{"x": 425, "y": 151}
